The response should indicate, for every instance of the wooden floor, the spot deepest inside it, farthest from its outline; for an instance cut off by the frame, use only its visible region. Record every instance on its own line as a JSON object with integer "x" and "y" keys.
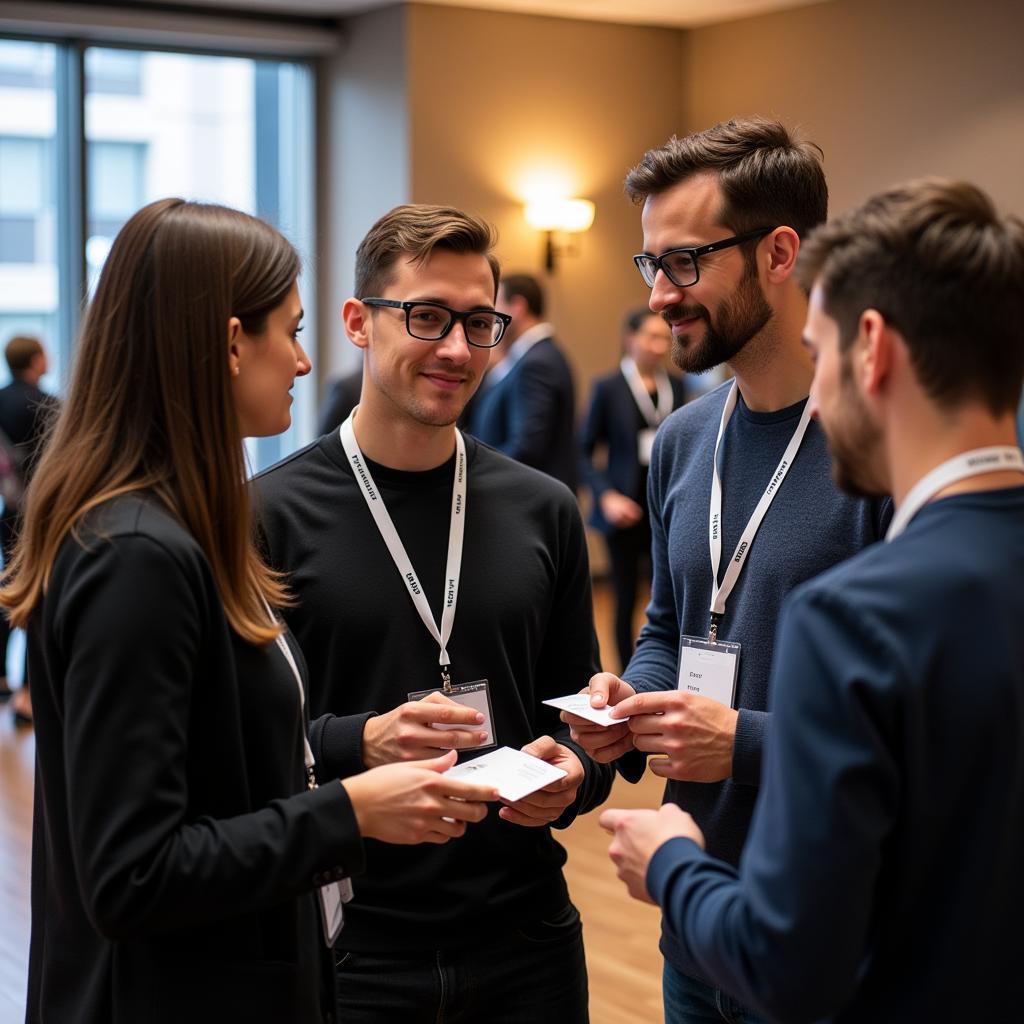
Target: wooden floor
{"x": 621, "y": 934}
{"x": 17, "y": 753}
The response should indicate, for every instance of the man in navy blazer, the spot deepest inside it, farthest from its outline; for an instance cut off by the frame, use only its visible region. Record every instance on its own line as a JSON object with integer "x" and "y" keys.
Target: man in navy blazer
{"x": 526, "y": 407}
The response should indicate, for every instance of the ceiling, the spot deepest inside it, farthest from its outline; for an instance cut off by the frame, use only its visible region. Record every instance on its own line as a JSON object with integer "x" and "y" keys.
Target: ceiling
{"x": 670, "y": 13}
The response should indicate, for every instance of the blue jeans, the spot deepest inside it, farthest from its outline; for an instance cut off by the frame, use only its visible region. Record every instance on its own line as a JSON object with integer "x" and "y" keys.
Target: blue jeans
{"x": 689, "y": 1001}
{"x": 533, "y": 973}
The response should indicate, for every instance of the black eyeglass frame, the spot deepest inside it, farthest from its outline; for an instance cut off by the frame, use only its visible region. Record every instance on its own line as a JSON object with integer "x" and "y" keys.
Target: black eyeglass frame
{"x": 457, "y": 316}
{"x": 694, "y": 252}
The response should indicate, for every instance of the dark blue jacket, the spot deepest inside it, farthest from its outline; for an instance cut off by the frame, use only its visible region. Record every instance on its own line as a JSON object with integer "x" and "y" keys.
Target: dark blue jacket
{"x": 883, "y": 879}
{"x": 614, "y": 421}
{"x": 530, "y": 414}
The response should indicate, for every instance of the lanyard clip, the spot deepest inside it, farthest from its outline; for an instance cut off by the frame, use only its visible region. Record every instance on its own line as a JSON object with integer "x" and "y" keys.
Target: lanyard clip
{"x": 446, "y": 679}
{"x": 713, "y": 628}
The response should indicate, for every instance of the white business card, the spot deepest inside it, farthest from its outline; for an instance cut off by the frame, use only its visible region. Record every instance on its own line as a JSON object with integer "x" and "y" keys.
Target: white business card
{"x": 579, "y": 704}
{"x": 511, "y": 772}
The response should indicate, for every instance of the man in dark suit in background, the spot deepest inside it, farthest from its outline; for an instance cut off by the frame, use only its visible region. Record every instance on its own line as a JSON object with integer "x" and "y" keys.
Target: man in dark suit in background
{"x": 341, "y": 398}
{"x": 526, "y": 407}
{"x": 25, "y": 413}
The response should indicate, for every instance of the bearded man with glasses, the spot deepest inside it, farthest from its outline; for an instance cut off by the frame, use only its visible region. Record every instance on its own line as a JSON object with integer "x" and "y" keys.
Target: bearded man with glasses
{"x": 442, "y": 593}
{"x": 741, "y": 501}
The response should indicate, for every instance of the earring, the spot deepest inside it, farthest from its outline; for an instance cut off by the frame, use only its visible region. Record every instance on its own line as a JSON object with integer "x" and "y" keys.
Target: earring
{"x": 234, "y": 371}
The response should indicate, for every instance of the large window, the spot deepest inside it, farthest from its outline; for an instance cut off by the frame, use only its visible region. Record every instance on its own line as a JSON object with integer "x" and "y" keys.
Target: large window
{"x": 150, "y": 124}
{"x": 29, "y": 273}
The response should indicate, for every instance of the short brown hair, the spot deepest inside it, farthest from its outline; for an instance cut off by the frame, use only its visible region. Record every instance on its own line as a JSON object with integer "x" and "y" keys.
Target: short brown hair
{"x": 945, "y": 270}
{"x": 20, "y": 351}
{"x": 528, "y": 288}
{"x": 416, "y": 230}
{"x": 768, "y": 176}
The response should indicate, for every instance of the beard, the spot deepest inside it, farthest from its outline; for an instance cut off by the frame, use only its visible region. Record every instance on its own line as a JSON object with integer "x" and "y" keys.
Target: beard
{"x": 854, "y": 442}
{"x": 739, "y": 318}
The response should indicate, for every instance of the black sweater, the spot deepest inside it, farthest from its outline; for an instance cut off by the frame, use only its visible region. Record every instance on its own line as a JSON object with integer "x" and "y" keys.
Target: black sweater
{"x": 524, "y": 621}
{"x": 175, "y": 848}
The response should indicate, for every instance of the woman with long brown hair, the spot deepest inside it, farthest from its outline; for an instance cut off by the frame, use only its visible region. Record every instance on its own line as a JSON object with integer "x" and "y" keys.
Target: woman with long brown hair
{"x": 181, "y": 843}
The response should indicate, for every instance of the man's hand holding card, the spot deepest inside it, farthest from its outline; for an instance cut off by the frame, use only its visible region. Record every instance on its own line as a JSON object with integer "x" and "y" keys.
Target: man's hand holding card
{"x": 546, "y": 805}
{"x": 604, "y": 743}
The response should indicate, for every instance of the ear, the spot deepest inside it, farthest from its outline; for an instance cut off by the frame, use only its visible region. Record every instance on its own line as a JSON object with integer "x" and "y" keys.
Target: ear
{"x": 780, "y": 249}
{"x": 873, "y": 351}
{"x": 235, "y": 335}
{"x": 357, "y": 320}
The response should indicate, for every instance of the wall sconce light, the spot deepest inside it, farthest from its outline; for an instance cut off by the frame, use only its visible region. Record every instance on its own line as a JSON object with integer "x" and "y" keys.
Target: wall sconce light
{"x": 566, "y": 216}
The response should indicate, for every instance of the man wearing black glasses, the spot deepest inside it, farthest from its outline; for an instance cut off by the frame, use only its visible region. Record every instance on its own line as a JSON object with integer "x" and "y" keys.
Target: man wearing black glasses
{"x": 742, "y": 504}
{"x": 442, "y": 592}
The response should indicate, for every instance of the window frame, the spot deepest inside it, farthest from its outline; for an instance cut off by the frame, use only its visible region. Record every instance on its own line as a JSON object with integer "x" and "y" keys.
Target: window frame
{"x": 71, "y": 174}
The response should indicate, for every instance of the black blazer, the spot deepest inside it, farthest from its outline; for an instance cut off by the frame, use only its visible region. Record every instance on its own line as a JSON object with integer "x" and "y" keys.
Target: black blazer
{"x": 176, "y": 849}
{"x": 530, "y": 414}
{"x": 614, "y": 421}
{"x": 341, "y": 398}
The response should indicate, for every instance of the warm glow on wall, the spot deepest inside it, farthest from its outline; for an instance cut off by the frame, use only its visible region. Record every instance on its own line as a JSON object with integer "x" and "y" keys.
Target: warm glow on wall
{"x": 553, "y": 211}
{"x": 556, "y": 213}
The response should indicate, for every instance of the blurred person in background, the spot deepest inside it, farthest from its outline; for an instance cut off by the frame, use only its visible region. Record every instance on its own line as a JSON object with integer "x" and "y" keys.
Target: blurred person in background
{"x": 626, "y": 409}
{"x": 26, "y": 412}
{"x": 526, "y": 406}
{"x": 341, "y": 397}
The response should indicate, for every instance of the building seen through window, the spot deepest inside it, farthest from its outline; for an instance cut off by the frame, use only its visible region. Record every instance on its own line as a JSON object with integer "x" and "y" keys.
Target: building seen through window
{"x": 229, "y": 130}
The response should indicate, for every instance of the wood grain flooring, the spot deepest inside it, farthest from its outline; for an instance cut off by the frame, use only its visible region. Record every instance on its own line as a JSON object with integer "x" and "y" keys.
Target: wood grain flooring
{"x": 621, "y": 934}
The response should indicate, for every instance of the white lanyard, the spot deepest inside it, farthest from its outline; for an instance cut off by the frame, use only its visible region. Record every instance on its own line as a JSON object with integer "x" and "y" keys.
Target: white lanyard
{"x": 381, "y": 517}
{"x": 642, "y": 398}
{"x": 720, "y": 594}
{"x": 960, "y": 467}
{"x": 307, "y": 750}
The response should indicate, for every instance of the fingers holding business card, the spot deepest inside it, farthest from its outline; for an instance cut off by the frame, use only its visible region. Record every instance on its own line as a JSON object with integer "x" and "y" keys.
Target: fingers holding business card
{"x": 695, "y": 734}
{"x": 413, "y": 802}
{"x": 546, "y": 805}
{"x": 604, "y": 743}
{"x": 408, "y": 732}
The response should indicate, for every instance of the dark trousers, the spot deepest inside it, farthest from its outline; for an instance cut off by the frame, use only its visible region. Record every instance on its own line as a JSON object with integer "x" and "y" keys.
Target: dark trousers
{"x": 9, "y": 526}
{"x": 689, "y": 1001}
{"x": 529, "y": 974}
{"x": 628, "y": 550}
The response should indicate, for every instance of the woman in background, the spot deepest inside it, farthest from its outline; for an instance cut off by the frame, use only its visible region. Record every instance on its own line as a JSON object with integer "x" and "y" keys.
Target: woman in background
{"x": 626, "y": 408}
{"x": 181, "y": 845}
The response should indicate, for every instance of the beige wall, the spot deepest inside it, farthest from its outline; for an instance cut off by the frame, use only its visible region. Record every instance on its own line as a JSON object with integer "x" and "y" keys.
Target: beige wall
{"x": 472, "y": 103}
{"x": 890, "y": 89}
{"x": 362, "y": 162}
{"x": 495, "y": 98}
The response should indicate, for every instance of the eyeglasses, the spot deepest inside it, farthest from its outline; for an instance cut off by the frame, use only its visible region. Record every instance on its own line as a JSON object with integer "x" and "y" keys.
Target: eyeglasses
{"x": 680, "y": 265}
{"x": 430, "y": 321}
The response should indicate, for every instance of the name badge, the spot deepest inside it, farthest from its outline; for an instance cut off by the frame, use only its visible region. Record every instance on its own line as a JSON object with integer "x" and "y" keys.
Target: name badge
{"x": 475, "y": 695}
{"x": 333, "y": 898}
{"x": 710, "y": 669}
{"x": 645, "y": 446}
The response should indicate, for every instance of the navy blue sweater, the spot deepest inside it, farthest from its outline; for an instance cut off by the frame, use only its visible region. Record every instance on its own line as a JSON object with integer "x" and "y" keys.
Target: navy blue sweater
{"x": 809, "y": 527}
{"x": 882, "y": 878}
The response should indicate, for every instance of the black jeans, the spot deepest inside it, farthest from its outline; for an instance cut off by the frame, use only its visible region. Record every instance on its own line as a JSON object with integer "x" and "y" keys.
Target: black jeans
{"x": 627, "y": 550}
{"x": 530, "y": 974}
